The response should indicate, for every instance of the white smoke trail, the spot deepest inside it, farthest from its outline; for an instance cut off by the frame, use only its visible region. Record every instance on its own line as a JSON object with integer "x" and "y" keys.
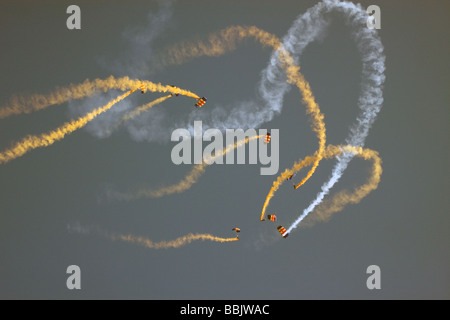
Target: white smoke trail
{"x": 371, "y": 97}
{"x": 139, "y": 61}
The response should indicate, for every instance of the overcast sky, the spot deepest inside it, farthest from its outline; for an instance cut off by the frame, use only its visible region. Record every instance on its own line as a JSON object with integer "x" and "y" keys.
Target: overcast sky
{"x": 402, "y": 226}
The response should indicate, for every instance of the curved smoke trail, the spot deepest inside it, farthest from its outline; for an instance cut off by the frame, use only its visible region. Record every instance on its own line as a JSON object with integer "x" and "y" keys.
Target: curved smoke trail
{"x": 306, "y": 29}
{"x": 36, "y": 102}
{"x": 19, "y": 105}
{"x": 190, "y": 179}
{"x": 146, "y": 242}
{"x": 32, "y": 142}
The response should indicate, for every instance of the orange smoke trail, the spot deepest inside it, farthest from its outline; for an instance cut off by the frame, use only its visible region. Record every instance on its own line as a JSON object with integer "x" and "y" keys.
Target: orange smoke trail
{"x": 146, "y": 242}
{"x": 190, "y": 179}
{"x": 186, "y": 183}
{"x": 324, "y": 211}
{"x": 24, "y": 104}
{"x": 218, "y": 44}
{"x": 145, "y": 107}
{"x": 136, "y": 112}
{"x": 178, "y": 242}
{"x": 46, "y": 139}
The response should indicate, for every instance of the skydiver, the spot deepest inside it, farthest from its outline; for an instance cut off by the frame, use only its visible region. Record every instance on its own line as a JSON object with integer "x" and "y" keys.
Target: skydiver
{"x": 267, "y": 139}
{"x": 200, "y": 102}
{"x": 176, "y": 94}
{"x": 291, "y": 176}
